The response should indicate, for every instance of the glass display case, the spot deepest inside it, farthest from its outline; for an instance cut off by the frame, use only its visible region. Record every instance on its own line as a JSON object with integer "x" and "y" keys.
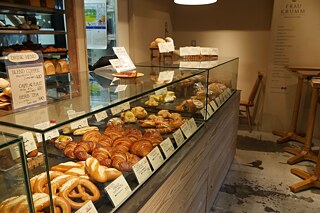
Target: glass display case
{"x": 104, "y": 145}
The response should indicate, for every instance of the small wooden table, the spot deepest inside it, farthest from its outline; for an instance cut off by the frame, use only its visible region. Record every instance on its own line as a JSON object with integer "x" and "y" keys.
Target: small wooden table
{"x": 310, "y": 180}
{"x": 306, "y": 153}
{"x": 303, "y": 73}
{"x": 154, "y": 53}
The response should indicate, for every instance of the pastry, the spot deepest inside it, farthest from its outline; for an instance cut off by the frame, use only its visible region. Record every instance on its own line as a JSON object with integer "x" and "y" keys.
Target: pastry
{"x": 139, "y": 112}
{"x": 164, "y": 113}
{"x": 69, "y": 150}
{"x": 99, "y": 172}
{"x": 115, "y": 122}
{"x": 83, "y": 130}
{"x": 128, "y": 117}
{"x": 105, "y": 140}
{"x": 141, "y": 147}
{"x": 61, "y": 66}
{"x": 169, "y": 97}
{"x": 103, "y": 155}
{"x": 61, "y": 141}
{"x": 154, "y": 136}
{"x": 4, "y": 83}
{"x": 83, "y": 148}
{"x": 114, "y": 132}
{"x": 86, "y": 190}
{"x": 122, "y": 143}
{"x": 133, "y": 134}
{"x": 92, "y": 135}
{"x": 123, "y": 161}
{"x": 63, "y": 167}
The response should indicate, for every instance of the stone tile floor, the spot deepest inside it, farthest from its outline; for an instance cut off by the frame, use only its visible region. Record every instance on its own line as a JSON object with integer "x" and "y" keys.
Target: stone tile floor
{"x": 259, "y": 179}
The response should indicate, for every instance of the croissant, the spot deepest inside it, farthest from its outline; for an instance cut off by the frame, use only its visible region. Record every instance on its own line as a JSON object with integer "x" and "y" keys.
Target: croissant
{"x": 82, "y": 150}
{"x": 105, "y": 140}
{"x": 154, "y": 136}
{"x": 103, "y": 155}
{"x": 122, "y": 143}
{"x": 114, "y": 132}
{"x": 141, "y": 147}
{"x": 69, "y": 150}
{"x": 133, "y": 134}
{"x": 100, "y": 173}
{"x": 119, "y": 160}
{"x": 93, "y": 136}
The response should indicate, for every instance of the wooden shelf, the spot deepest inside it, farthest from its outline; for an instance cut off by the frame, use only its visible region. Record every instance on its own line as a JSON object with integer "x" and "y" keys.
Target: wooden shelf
{"x": 19, "y": 31}
{"x": 20, "y": 9}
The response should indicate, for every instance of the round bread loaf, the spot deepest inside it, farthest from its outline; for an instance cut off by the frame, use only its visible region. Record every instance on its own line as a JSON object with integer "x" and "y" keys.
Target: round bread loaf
{"x": 168, "y": 39}
{"x": 160, "y": 40}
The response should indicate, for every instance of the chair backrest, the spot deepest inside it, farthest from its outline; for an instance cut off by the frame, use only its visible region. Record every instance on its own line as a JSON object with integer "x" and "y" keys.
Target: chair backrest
{"x": 255, "y": 89}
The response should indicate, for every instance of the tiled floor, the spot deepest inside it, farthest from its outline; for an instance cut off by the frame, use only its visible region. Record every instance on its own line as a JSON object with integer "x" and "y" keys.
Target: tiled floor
{"x": 259, "y": 179}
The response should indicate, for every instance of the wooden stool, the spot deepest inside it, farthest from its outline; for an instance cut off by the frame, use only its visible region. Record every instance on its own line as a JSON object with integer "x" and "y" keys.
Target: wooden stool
{"x": 303, "y": 73}
{"x": 310, "y": 180}
{"x": 306, "y": 153}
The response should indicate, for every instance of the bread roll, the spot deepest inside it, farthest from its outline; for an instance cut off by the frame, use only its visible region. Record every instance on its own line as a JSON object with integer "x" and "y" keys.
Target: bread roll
{"x": 49, "y": 67}
{"x": 160, "y": 40}
{"x": 4, "y": 83}
{"x": 168, "y": 39}
{"x": 7, "y": 91}
{"x": 61, "y": 66}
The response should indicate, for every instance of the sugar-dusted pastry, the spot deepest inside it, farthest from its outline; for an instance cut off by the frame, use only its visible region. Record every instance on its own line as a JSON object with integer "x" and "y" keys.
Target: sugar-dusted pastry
{"x": 115, "y": 122}
{"x": 128, "y": 117}
{"x": 139, "y": 112}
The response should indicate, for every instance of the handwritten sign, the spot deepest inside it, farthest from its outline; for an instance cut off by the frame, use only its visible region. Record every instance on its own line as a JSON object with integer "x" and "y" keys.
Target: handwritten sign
{"x": 178, "y": 137}
{"x": 209, "y": 51}
{"x": 118, "y": 190}
{"x": 120, "y": 108}
{"x": 27, "y": 85}
{"x": 101, "y": 116}
{"x": 166, "y": 47}
{"x": 80, "y": 123}
{"x": 125, "y": 60}
{"x": 167, "y": 147}
{"x": 142, "y": 170}
{"x": 155, "y": 158}
{"x": 15, "y": 153}
{"x": 185, "y": 51}
{"x": 87, "y": 208}
{"x": 166, "y": 76}
{"x": 48, "y": 135}
{"x": 29, "y": 142}
{"x": 214, "y": 105}
{"x": 189, "y": 127}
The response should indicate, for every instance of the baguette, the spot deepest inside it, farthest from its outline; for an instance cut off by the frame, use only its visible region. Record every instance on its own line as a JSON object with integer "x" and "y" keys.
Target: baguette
{"x": 83, "y": 130}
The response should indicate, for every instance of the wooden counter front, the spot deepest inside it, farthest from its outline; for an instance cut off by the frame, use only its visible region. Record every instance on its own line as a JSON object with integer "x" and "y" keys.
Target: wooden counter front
{"x": 191, "y": 179}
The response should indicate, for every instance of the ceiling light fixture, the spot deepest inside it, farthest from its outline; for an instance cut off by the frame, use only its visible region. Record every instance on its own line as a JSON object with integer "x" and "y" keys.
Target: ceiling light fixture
{"x": 194, "y": 2}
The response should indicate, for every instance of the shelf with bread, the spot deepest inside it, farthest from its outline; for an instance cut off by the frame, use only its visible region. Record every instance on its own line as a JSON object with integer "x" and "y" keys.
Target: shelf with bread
{"x": 24, "y": 9}
{"x": 122, "y": 132}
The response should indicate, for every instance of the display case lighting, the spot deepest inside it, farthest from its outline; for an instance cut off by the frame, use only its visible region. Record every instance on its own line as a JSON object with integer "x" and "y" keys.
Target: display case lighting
{"x": 194, "y": 2}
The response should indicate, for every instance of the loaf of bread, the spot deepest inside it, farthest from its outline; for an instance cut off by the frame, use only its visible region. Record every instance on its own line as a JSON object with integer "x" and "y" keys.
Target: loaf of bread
{"x": 49, "y": 67}
{"x": 61, "y": 66}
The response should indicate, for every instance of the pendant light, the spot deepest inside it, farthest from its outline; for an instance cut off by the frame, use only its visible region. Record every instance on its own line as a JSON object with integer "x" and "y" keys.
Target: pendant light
{"x": 194, "y": 2}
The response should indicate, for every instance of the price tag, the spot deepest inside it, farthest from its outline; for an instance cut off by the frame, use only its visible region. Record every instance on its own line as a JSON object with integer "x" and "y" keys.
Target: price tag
{"x": 161, "y": 91}
{"x": 14, "y": 150}
{"x": 101, "y": 116}
{"x": 87, "y": 208}
{"x": 203, "y": 112}
{"x": 229, "y": 91}
{"x": 155, "y": 158}
{"x": 142, "y": 170}
{"x": 29, "y": 142}
{"x": 178, "y": 137}
{"x": 217, "y": 100}
{"x": 166, "y": 47}
{"x": 222, "y": 99}
{"x": 118, "y": 190}
{"x": 167, "y": 147}
{"x": 120, "y": 108}
{"x": 193, "y": 125}
{"x": 48, "y": 135}
{"x": 125, "y": 60}
{"x": 166, "y": 76}
{"x": 214, "y": 105}
{"x": 209, "y": 51}
{"x": 210, "y": 110}
{"x": 184, "y": 51}
{"x": 121, "y": 88}
{"x": 186, "y": 129}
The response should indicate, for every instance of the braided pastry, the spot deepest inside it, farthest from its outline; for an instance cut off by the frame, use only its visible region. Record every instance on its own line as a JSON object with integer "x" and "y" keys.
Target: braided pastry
{"x": 115, "y": 122}
{"x": 102, "y": 154}
{"x": 141, "y": 147}
{"x": 93, "y": 136}
{"x": 78, "y": 188}
{"x": 99, "y": 172}
{"x": 63, "y": 167}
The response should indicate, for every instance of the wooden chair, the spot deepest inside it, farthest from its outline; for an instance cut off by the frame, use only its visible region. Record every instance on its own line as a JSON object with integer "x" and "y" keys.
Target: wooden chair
{"x": 245, "y": 105}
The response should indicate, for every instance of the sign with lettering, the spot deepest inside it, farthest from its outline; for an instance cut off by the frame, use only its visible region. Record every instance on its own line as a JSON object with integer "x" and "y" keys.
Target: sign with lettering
{"x": 27, "y": 79}
{"x": 178, "y": 137}
{"x": 167, "y": 147}
{"x": 142, "y": 170}
{"x": 120, "y": 108}
{"x": 125, "y": 61}
{"x": 87, "y": 208}
{"x": 29, "y": 142}
{"x": 155, "y": 158}
{"x": 79, "y": 123}
{"x": 166, "y": 76}
{"x": 214, "y": 105}
{"x": 166, "y": 47}
{"x": 118, "y": 190}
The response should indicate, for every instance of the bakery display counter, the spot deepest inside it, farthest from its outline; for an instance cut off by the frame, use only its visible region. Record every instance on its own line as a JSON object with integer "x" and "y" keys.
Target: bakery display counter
{"x": 100, "y": 149}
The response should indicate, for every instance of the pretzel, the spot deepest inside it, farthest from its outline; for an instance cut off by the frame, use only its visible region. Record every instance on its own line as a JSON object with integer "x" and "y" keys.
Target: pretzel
{"x": 8, "y": 200}
{"x": 57, "y": 183}
{"x": 78, "y": 188}
{"x": 63, "y": 167}
{"x": 8, "y": 205}
{"x": 41, "y": 182}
